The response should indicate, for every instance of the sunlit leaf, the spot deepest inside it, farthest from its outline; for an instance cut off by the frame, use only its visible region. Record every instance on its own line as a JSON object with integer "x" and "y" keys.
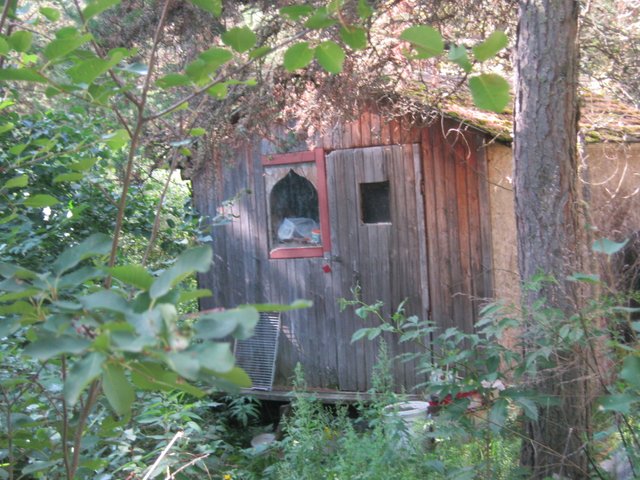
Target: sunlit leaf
{"x": 61, "y": 47}
{"x": 135, "y": 275}
{"x": 173, "y": 80}
{"x": 212, "y": 6}
{"x": 240, "y": 39}
{"x": 620, "y": 403}
{"x": 427, "y": 41}
{"x": 21, "y": 74}
{"x": 50, "y": 13}
{"x": 491, "y": 46}
{"x": 83, "y": 165}
{"x": 17, "y": 182}
{"x": 116, "y": 140}
{"x": 238, "y": 322}
{"x": 296, "y": 12}
{"x": 364, "y": 9}
{"x": 68, "y": 177}
{"x": 96, "y": 7}
{"x": 20, "y": 40}
{"x": 320, "y": 19}
{"x": 88, "y": 70}
{"x": 41, "y": 200}
{"x": 298, "y": 56}
{"x": 355, "y": 37}
{"x": 490, "y": 92}
{"x": 330, "y": 56}
{"x": 4, "y": 46}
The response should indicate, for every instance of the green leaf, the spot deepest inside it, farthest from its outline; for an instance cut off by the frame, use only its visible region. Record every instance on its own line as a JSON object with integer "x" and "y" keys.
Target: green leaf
{"x": 194, "y": 294}
{"x": 186, "y": 364}
{"x": 213, "y": 356}
{"x": 276, "y": 307}
{"x": 87, "y": 71}
{"x": 135, "y": 275}
{"x": 50, "y": 13}
{"x": 620, "y": 403}
{"x": 16, "y": 182}
{"x": 330, "y": 56}
{"x": 260, "y": 52}
{"x": 4, "y": 46}
{"x": 427, "y": 41}
{"x": 491, "y": 46}
{"x": 135, "y": 68}
{"x": 105, "y": 300}
{"x": 238, "y": 322}
{"x": 355, "y": 37}
{"x": 236, "y": 376}
{"x": 68, "y": 177}
{"x": 320, "y": 19}
{"x": 196, "y": 259}
{"x": 41, "y": 200}
{"x": 38, "y": 466}
{"x": 631, "y": 371}
{"x": 207, "y": 63}
{"x": 152, "y": 376}
{"x": 21, "y": 74}
{"x": 20, "y": 40}
{"x": 60, "y": 47}
{"x": 117, "y": 389}
{"x": 116, "y": 140}
{"x": 240, "y": 39}
{"x": 296, "y": 12}
{"x": 96, "y": 244}
{"x": 212, "y": 6}
{"x": 47, "y": 348}
{"x": 298, "y": 56}
{"x": 584, "y": 277}
{"x": 197, "y": 132}
{"x": 529, "y": 407}
{"x": 364, "y": 9}
{"x": 83, "y": 164}
{"x": 608, "y": 247}
{"x": 498, "y": 415}
{"x": 458, "y": 55}
{"x": 490, "y": 92}
{"x": 97, "y": 7}
{"x": 173, "y": 80}
{"x": 83, "y": 372}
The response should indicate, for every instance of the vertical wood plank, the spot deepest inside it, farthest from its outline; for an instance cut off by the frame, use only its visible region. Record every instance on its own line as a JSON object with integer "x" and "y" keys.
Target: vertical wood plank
{"x": 376, "y": 132}
{"x": 485, "y": 219}
{"x": 385, "y": 131}
{"x": 365, "y": 129}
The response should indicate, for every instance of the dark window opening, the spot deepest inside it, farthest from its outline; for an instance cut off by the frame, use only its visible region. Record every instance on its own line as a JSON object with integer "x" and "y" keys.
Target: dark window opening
{"x": 295, "y": 219}
{"x": 375, "y": 202}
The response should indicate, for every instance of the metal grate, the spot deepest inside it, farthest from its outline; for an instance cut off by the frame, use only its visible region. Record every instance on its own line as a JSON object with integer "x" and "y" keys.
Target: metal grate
{"x": 257, "y": 355}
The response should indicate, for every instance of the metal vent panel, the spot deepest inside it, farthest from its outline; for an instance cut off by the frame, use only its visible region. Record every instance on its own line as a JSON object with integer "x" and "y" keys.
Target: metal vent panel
{"x": 257, "y": 355}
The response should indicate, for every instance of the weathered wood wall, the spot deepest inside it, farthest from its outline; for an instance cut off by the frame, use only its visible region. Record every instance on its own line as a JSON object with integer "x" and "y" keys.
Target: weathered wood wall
{"x": 436, "y": 252}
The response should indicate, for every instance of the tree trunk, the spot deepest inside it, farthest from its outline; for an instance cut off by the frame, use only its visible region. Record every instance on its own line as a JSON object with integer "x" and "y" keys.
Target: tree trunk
{"x": 548, "y": 222}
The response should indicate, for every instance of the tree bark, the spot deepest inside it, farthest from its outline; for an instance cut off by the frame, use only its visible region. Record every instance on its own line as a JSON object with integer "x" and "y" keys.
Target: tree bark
{"x": 548, "y": 220}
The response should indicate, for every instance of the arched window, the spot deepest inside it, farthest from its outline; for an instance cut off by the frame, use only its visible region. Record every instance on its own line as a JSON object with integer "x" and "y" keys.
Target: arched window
{"x": 294, "y": 209}
{"x": 297, "y": 209}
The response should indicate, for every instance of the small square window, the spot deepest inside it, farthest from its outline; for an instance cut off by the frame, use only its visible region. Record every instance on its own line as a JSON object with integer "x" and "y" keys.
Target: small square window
{"x": 375, "y": 202}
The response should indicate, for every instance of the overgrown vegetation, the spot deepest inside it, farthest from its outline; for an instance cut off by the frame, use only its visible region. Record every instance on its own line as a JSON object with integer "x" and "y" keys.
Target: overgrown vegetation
{"x": 100, "y": 371}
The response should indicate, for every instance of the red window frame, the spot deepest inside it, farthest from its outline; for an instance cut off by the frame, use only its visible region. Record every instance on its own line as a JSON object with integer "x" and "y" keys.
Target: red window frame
{"x": 312, "y": 156}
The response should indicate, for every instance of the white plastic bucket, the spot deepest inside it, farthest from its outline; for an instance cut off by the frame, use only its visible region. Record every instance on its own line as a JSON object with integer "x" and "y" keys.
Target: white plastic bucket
{"x": 412, "y": 414}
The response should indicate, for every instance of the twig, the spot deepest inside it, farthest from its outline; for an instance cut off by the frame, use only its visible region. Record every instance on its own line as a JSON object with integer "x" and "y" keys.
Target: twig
{"x": 188, "y": 464}
{"x": 163, "y": 454}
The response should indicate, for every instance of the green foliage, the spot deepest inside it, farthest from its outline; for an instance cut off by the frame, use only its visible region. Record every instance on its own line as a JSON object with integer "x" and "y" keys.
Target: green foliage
{"x": 490, "y": 91}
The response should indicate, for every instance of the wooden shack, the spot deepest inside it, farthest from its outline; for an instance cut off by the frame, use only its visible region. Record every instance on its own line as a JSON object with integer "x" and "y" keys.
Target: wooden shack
{"x": 399, "y": 209}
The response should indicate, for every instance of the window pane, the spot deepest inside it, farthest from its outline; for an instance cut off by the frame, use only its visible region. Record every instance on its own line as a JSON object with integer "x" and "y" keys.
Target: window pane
{"x": 375, "y": 202}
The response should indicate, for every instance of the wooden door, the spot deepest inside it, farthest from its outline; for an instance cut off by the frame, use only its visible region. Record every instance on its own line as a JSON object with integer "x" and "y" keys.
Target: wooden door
{"x": 378, "y": 242}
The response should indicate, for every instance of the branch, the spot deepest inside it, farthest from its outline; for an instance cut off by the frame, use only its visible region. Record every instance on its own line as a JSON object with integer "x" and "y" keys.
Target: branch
{"x": 163, "y": 454}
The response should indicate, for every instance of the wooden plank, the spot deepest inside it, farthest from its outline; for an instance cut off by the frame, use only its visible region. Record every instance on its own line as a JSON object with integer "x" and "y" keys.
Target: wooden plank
{"x": 431, "y": 237}
{"x": 443, "y": 266}
{"x": 394, "y": 131}
{"x": 365, "y": 129}
{"x": 356, "y": 135}
{"x": 375, "y": 129}
{"x": 385, "y": 131}
{"x": 466, "y": 289}
{"x": 475, "y": 240}
{"x": 453, "y": 229}
{"x": 347, "y": 141}
{"x": 485, "y": 219}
